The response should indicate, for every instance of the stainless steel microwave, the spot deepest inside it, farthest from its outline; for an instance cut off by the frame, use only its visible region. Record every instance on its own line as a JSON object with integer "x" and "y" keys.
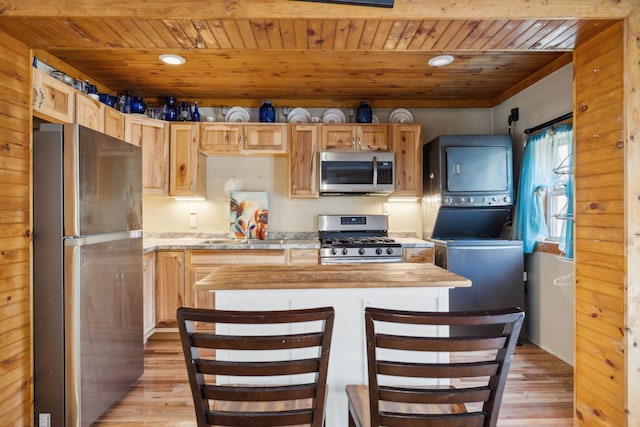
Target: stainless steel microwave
{"x": 356, "y": 173}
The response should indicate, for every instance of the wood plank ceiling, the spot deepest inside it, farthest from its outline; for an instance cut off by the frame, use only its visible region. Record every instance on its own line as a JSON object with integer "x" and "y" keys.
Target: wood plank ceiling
{"x": 317, "y": 61}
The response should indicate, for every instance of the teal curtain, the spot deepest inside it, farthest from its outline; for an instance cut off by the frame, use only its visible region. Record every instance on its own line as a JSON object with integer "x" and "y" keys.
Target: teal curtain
{"x": 564, "y": 136}
{"x": 537, "y": 175}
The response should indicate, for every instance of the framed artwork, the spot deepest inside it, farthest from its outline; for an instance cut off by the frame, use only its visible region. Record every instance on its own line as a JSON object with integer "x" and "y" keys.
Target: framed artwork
{"x": 249, "y": 214}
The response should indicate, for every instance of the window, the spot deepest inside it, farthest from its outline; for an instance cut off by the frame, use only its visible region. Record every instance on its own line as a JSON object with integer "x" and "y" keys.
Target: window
{"x": 544, "y": 207}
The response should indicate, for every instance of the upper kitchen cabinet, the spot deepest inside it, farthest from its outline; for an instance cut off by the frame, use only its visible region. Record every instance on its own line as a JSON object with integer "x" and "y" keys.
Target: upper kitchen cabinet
{"x": 218, "y": 138}
{"x": 303, "y": 162}
{"x": 406, "y": 141}
{"x": 264, "y": 138}
{"x": 153, "y": 137}
{"x": 52, "y": 99}
{"x": 89, "y": 112}
{"x": 113, "y": 122}
{"x": 365, "y": 137}
{"x": 187, "y": 167}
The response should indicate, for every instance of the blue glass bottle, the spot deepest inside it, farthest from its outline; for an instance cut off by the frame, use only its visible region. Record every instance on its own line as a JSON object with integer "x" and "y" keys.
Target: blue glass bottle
{"x": 138, "y": 106}
{"x": 171, "y": 112}
{"x": 195, "y": 116}
{"x": 364, "y": 113}
{"x": 267, "y": 112}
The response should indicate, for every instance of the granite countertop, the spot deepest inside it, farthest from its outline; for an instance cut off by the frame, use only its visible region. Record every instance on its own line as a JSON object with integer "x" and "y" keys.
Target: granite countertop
{"x": 182, "y": 241}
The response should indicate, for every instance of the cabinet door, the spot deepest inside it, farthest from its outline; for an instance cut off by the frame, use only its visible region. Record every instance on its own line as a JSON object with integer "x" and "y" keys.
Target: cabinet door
{"x": 303, "y": 163}
{"x": 266, "y": 138}
{"x": 338, "y": 137}
{"x": 407, "y": 148}
{"x": 153, "y": 137}
{"x": 148, "y": 294}
{"x": 113, "y": 123}
{"x": 417, "y": 255}
{"x": 89, "y": 112}
{"x": 373, "y": 138}
{"x": 187, "y": 165}
{"x": 169, "y": 286}
{"x": 219, "y": 138}
{"x": 52, "y": 99}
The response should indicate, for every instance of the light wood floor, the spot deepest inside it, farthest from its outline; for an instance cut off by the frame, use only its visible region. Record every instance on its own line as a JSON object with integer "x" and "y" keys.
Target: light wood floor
{"x": 539, "y": 391}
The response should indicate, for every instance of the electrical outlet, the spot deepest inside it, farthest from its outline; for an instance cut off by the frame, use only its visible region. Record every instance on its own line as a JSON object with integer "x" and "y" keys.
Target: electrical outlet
{"x": 193, "y": 220}
{"x": 44, "y": 420}
{"x": 386, "y": 208}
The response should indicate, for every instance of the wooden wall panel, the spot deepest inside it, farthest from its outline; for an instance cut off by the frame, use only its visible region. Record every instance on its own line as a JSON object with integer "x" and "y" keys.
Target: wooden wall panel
{"x": 15, "y": 236}
{"x": 600, "y": 277}
{"x": 632, "y": 213}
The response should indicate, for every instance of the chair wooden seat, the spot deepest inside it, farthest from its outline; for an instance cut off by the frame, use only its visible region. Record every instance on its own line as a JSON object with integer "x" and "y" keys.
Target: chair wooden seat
{"x": 297, "y": 347}
{"x": 409, "y": 369}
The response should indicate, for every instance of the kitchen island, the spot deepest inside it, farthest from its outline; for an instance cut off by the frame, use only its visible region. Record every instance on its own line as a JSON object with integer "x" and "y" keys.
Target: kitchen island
{"x": 349, "y": 288}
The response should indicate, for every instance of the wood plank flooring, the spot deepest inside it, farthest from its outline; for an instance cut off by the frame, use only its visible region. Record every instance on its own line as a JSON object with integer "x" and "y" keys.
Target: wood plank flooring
{"x": 539, "y": 391}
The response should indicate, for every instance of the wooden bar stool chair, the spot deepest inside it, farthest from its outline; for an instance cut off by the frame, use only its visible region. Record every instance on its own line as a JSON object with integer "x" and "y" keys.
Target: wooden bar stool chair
{"x": 419, "y": 376}
{"x": 259, "y": 368}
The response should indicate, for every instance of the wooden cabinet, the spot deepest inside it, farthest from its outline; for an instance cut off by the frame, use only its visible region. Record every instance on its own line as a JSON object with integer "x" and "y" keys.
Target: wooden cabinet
{"x": 267, "y": 138}
{"x": 218, "y": 138}
{"x": 113, "y": 122}
{"x": 406, "y": 141}
{"x": 365, "y": 137}
{"x": 303, "y": 160}
{"x": 417, "y": 255}
{"x": 153, "y": 137}
{"x": 148, "y": 294}
{"x": 187, "y": 167}
{"x": 52, "y": 99}
{"x": 169, "y": 286}
{"x": 89, "y": 112}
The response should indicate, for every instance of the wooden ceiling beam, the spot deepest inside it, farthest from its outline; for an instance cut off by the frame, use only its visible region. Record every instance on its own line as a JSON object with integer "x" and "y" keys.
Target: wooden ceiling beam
{"x": 292, "y": 9}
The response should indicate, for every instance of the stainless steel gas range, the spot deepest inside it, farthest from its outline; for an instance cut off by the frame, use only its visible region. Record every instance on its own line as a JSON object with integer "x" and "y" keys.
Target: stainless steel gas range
{"x": 356, "y": 239}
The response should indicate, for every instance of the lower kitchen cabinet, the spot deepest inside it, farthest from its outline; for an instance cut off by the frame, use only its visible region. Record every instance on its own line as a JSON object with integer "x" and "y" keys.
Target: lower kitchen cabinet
{"x": 417, "y": 255}
{"x": 169, "y": 286}
{"x": 148, "y": 294}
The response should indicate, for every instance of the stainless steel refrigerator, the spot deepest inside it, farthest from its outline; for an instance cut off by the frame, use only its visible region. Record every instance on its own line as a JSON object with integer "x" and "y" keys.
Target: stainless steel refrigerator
{"x": 87, "y": 274}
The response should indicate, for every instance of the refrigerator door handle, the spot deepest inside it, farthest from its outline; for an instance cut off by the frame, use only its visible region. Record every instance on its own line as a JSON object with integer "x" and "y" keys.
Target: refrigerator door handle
{"x": 101, "y": 238}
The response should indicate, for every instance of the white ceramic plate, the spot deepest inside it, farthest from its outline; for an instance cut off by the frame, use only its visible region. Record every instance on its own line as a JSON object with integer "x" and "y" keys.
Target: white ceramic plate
{"x": 400, "y": 115}
{"x": 300, "y": 114}
{"x": 375, "y": 119}
{"x": 237, "y": 114}
{"x": 333, "y": 115}
{"x": 298, "y": 118}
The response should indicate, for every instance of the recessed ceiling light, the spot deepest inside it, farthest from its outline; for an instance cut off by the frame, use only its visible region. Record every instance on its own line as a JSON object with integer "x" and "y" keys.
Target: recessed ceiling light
{"x": 171, "y": 59}
{"x": 441, "y": 60}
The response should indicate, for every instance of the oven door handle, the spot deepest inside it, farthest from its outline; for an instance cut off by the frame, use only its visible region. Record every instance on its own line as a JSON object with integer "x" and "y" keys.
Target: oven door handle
{"x": 375, "y": 172}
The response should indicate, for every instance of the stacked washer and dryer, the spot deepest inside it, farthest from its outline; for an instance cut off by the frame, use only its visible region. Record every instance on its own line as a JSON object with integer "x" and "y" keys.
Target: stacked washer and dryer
{"x": 467, "y": 208}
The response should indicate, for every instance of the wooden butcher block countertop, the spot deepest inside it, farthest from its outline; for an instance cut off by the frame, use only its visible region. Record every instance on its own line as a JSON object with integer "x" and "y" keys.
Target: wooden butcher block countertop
{"x": 391, "y": 275}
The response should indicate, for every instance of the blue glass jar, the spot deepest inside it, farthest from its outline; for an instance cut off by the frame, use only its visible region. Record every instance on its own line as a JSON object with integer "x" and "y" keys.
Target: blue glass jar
{"x": 267, "y": 112}
{"x": 364, "y": 113}
{"x": 195, "y": 115}
{"x": 138, "y": 106}
{"x": 171, "y": 111}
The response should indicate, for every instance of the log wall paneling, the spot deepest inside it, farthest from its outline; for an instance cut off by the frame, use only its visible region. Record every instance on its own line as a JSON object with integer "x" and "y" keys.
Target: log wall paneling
{"x": 599, "y": 377}
{"x": 15, "y": 235}
{"x": 632, "y": 214}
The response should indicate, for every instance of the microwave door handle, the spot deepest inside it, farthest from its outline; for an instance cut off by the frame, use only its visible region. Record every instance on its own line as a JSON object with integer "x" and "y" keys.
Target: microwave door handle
{"x": 375, "y": 173}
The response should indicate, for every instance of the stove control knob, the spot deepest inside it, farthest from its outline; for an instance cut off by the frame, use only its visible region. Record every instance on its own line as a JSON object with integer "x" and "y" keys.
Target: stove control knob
{"x": 378, "y": 251}
{"x": 461, "y": 200}
{"x": 507, "y": 199}
{"x": 334, "y": 251}
{"x": 470, "y": 200}
{"x": 447, "y": 200}
{"x": 361, "y": 251}
{"x": 344, "y": 251}
{"x": 389, "y": 251}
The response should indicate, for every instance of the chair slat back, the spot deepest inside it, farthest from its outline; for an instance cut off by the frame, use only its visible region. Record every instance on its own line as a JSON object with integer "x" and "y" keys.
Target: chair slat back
{"x": 408, "y": 369}
{"x": 271, "y": 344}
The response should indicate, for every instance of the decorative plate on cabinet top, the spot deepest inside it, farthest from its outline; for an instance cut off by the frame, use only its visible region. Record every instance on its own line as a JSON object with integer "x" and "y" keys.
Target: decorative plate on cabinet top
{"x": 299, "y": 115}
{"x": 334, "y": 115}
{"x": 237, "y": 114}
{"x": 401, "y": 115}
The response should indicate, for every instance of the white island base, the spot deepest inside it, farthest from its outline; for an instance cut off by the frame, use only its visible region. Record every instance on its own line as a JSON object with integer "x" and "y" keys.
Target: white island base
{"x": 347, "y": 363}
